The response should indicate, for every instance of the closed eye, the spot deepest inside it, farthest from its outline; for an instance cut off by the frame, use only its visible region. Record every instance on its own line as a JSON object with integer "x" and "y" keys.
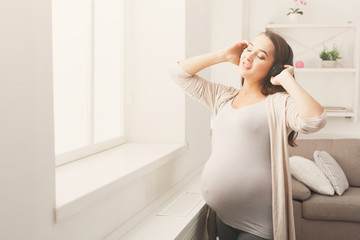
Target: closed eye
{"x": 258, "y": 49}
{"x": 249, "y": 50}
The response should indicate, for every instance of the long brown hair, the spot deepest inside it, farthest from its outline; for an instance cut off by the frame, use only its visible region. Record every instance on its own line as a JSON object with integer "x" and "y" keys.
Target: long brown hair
{"x": 283, "y": 54}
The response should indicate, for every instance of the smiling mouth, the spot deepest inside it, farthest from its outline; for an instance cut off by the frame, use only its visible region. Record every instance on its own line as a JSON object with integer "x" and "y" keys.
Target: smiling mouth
{"x": 245, "y": 65}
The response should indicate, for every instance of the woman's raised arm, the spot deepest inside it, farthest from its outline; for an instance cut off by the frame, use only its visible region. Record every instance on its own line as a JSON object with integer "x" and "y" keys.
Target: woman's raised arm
{"x": 306, "y": 105}
{"x": 195, "y": 64}
{"x": 206, "y": 92}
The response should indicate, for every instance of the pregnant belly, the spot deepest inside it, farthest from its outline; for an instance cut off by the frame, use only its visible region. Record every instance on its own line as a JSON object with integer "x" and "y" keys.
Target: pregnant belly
{"x": 228, "y": 184}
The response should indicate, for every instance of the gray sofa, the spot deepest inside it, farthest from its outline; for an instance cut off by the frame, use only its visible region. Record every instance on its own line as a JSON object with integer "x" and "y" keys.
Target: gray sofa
{"x": 321, "y": 217}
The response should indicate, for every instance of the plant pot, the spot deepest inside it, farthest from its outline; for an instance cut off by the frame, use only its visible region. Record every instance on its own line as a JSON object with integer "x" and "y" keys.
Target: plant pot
{"x": 294, "y": 17}
{"x": 328, "y": 63}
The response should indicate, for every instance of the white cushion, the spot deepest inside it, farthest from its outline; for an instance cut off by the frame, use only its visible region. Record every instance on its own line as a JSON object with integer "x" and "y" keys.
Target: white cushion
{"x": 332, "y": 171}
{"x": 311, "y": 175}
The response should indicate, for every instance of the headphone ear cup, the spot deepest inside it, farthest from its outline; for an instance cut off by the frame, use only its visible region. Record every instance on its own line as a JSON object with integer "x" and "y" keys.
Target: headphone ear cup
{"x": 290, "y": 60}
{"x": 276, "y": 69}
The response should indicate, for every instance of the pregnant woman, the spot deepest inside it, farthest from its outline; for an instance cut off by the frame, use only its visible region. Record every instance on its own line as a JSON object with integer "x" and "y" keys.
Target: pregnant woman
{"x": 246, "y": 180}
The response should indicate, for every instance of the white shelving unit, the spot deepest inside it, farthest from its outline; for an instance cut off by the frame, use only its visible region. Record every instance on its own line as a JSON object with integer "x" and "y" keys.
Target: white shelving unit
{"x": 342, "y": 83}
{"x": 292, "y": 26}
{"x": 326, "y": 70}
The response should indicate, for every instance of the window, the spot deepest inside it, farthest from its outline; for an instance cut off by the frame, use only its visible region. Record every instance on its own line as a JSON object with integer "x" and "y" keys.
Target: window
{"x": 88, "y": 74}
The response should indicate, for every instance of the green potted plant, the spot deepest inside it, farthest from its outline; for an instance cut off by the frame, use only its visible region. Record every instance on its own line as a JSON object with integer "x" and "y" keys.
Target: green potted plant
{"x": 295, "y": 12}
{"x": 329, "y": 57}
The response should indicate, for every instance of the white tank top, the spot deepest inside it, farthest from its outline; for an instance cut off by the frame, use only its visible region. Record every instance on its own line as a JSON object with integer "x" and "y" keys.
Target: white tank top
{"x": 236, "y": 180}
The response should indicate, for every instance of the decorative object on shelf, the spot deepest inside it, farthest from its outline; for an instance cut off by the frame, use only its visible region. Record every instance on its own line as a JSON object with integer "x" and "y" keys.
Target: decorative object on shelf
{"x": 294, "y": 18}
{"x": 296, "y": 12}
{"x": 329, "y": 57}
{"x": 299, "y": 64}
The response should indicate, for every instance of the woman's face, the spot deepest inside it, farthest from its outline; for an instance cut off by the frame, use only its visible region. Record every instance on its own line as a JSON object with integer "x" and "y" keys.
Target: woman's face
{"x": 257, "y": 58}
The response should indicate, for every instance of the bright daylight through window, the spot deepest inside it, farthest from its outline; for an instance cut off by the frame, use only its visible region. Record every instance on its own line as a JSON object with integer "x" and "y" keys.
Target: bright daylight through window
{"x": 88, "y": 76}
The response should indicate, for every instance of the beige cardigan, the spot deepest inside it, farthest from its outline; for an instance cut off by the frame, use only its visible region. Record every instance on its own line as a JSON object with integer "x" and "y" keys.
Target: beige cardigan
{"x": 283, "y": 118}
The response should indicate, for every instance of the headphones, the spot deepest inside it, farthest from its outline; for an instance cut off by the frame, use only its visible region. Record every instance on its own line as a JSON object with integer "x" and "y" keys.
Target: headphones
{"x": 278, "y": 67}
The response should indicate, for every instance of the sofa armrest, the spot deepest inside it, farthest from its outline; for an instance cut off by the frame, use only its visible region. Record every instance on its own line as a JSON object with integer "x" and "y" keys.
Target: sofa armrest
{"x": 299, "y": 190}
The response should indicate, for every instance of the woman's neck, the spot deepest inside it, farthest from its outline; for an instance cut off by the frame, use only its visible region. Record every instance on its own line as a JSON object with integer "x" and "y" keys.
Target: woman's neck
{"x": 251, "y": 90}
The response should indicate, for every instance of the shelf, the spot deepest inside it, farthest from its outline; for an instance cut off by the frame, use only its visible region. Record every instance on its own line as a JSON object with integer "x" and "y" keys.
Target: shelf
{"x": 307, "y": 40}
{"x": 339, "y": 114}
{"x": 325, "y": 70}
{"x": 346, "y": 25}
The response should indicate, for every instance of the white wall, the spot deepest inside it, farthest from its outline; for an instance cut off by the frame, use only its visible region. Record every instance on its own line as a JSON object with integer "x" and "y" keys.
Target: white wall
{"x": 259, "y": 12}
{"x": 27, "y": 154}
{"x": 226, "y": 29}
{"x": 197, "y": 116}
{"x": 157, "y": 40}
{"x": 156, "y": 105}
{"x": 27, "y": 177}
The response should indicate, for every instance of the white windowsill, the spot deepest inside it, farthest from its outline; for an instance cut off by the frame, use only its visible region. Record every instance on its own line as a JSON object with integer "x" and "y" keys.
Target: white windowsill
{"x": 83, "y": 182}
{"x": 148, "y": 223}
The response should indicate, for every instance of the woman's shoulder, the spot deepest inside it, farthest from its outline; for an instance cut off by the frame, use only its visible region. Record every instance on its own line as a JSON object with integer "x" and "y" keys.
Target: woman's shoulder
{"x": 225, "y": 92}
{"x": 279, "y": 96}
{"x": 279, "y": 101}
{"x": 227, "y": 89}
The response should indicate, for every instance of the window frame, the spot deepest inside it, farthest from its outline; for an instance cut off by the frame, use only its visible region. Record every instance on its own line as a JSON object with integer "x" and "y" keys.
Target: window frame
{"x": 92, "y": 147}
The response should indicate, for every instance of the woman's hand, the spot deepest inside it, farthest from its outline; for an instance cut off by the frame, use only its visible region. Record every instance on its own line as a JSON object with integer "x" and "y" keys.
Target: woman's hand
{"x": 306, "y": 105}
{"x": 286, "y": 74}
{"x": 234, "y": 52}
